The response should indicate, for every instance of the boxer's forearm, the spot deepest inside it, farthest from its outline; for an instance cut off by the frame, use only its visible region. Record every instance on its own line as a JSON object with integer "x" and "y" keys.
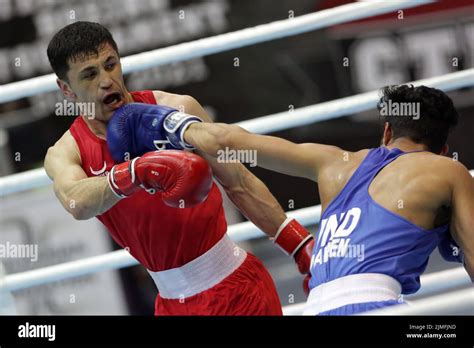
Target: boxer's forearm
{"x": 250, "y": 195}
{"x": 259, "y": 206}
{"x": 211, "y": 137}
{"x": 87, "y": 198}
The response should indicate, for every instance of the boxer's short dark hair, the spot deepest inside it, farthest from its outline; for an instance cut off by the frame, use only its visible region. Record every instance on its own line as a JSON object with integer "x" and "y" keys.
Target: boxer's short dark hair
{"x": 76, "y": 41}
{"x": 437, "y": 115}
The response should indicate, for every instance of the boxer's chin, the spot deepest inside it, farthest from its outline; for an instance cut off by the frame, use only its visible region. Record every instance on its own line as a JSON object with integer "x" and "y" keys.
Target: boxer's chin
{"x": 106, "y": 115}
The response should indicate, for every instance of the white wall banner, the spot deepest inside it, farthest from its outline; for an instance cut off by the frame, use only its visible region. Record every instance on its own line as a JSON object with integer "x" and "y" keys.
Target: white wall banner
{"x": 35, "y": 232}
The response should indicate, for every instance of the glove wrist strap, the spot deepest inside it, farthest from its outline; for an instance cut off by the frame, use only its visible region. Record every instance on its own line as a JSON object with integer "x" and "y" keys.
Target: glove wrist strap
{"x": 175, "y": 125}
{"x": 291, "y": 236}
{"x": 121, "y": 179}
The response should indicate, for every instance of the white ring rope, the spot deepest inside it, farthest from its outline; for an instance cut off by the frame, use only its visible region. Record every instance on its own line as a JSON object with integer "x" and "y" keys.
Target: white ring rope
{"x": 68, "y": 270}
{"x": 435, "y": 282}
{"x": 453, "y": 303}
{"x": 120, "y": 259}
{"x": 24, "y": 181}
{"x": 431, "y": 283}
{"x": 349, "y": 105}
{"x": 266, "y": 124}
{"x": 244, "y": 231}
{"x": 224, "y": 42}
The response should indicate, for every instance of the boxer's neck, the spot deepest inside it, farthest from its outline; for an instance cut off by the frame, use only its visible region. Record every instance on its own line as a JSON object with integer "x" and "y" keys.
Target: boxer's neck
{"x": 406, "y": 145}
{"x": 99, "y": 128}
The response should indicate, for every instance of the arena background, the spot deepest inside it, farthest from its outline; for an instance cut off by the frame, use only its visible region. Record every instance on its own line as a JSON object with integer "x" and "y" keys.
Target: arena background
{"x": 235, "y": 85}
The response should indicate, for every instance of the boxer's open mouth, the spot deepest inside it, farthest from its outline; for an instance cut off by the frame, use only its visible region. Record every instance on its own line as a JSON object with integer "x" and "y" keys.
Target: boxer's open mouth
{"x": 113, "y": 100}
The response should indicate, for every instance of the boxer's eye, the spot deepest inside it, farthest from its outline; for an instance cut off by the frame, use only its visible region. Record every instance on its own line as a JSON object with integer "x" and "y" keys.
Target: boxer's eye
{"x": 110, "y": 66}
{"x": 89, "y": 75}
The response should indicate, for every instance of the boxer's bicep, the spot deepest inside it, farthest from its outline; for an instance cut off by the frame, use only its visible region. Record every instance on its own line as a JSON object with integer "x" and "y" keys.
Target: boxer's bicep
{"x": 193, "y": 107}
{"x": 462, "y": 219}
{"x": 63, "y": 167}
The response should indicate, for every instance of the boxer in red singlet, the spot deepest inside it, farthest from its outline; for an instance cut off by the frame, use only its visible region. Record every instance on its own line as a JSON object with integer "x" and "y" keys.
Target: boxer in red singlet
{"x": 198, "y": 270}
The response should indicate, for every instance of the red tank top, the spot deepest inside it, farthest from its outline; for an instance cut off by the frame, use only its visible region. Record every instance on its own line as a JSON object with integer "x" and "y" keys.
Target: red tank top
{"x": 158, "y": 236}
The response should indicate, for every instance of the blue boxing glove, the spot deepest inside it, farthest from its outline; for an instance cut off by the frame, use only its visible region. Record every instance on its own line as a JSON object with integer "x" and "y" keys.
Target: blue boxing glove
{"x": 137, "y": 128}
{"x": 449, "y": 249}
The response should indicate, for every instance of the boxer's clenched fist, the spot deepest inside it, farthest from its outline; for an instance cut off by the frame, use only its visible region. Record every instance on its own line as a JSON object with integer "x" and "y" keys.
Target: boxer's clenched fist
{"x": 183, "y": 178}
{"x": 296, "y": 241}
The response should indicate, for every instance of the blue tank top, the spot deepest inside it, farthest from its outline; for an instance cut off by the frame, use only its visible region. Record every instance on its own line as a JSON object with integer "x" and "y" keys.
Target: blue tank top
{"x": 358, "y": 235}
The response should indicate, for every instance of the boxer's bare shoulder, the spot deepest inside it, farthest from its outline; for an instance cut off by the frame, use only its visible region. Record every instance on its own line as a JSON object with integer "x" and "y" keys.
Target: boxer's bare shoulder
{"x": 420, "y": 187}
{"x": 423, "y": 181}
{"x": 63, "y": 153}
{"x": 422, "y": 174}
{"x": 341, "y": 165}
{"x": 182, "y": 102}
{"x": 178, "y": 101}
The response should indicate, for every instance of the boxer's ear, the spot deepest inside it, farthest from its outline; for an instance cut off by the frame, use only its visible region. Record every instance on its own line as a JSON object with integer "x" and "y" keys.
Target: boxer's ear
{"x": 444, "y": 150}
{"x": 66, "y": 90}
{"x": 387, "y": 134}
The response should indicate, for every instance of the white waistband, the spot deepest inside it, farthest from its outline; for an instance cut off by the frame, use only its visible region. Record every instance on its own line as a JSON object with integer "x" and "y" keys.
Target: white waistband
{"x": 355, "y": 288}
{"x": 201, "y": 273}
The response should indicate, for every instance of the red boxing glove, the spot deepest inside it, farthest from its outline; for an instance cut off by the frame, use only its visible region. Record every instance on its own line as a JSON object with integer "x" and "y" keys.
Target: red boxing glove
{"x": 296, "y": 241}
{"x": 306, "y": 284}
{"x": 184, "y": 178}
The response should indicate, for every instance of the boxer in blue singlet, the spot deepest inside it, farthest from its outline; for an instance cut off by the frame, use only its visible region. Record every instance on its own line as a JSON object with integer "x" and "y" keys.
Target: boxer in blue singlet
{"x": 384, "y": 210}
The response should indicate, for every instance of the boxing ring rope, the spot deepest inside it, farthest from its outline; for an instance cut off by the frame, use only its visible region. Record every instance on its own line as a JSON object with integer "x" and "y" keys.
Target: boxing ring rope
{"x": 24, "y": 181}
{"x": 276, "y": 122}
{"x": 349, "y": 105}
{"x": 459, "y": 302}
{"x": 224, "y": 42}
{"x": 121, "y": 259}
{"x": 452, "y": 303}
{"x": 431, "y": 283}
{"x": 239, "y": 232}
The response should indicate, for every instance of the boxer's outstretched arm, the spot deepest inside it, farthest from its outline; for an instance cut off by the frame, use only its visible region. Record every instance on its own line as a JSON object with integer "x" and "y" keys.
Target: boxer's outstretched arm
{"x": 80, "y": 195}
{"x": 277, "y": 154}
{"x": 462, "y": 218}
